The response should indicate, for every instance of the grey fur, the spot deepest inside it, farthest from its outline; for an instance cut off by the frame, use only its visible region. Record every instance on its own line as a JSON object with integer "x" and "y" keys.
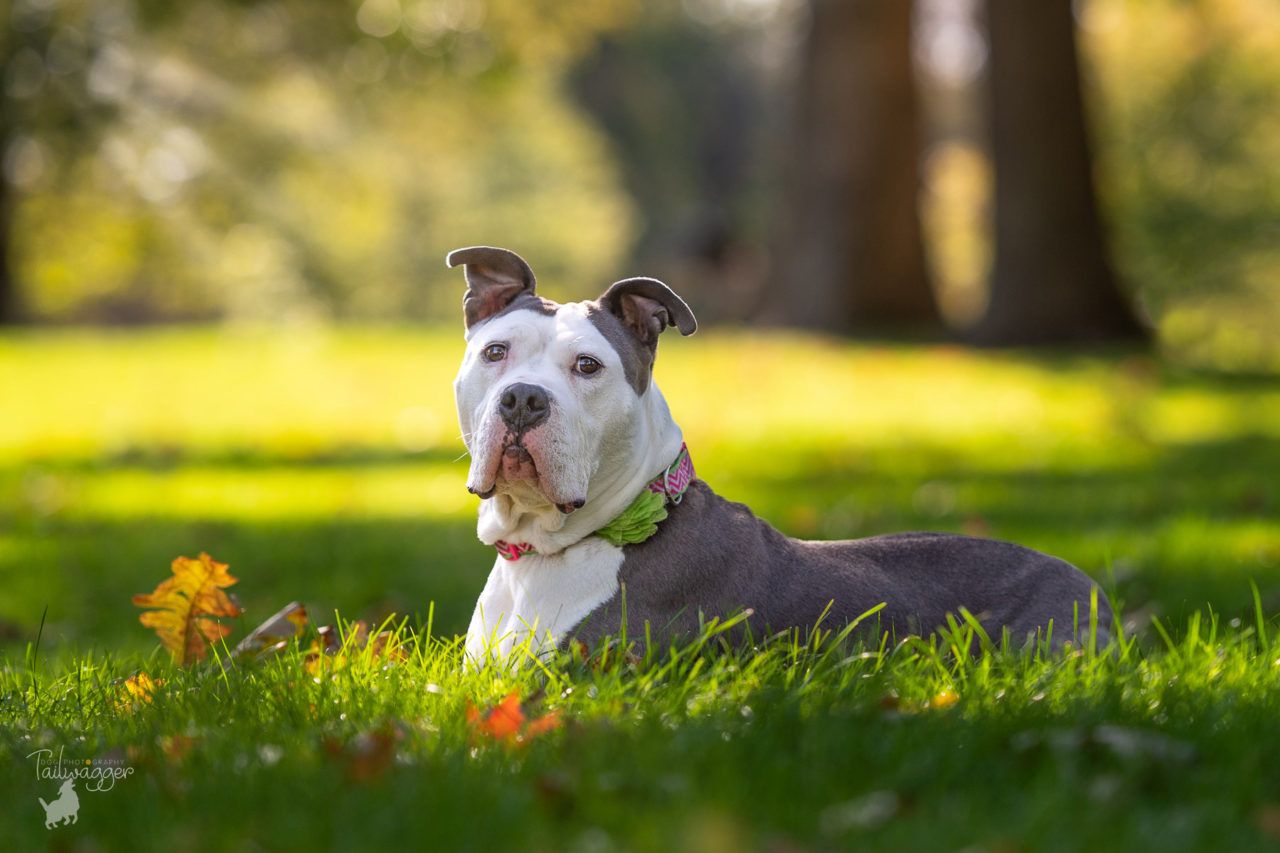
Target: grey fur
{"x": 637, "y": 359}
{"x": 495, "y": 279}
{"x": 647, "y": 306}
{"x": 631, "y": 314}
{"x": 712, "y": 557}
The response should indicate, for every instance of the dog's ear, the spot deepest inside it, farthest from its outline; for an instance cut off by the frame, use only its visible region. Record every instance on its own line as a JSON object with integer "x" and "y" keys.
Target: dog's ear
{"x": 495, "y": 278}
{"x": 646, "y": 306}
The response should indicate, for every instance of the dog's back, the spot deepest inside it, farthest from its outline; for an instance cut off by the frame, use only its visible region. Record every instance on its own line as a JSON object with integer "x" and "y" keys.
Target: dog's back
{"x": 713, "y": 557}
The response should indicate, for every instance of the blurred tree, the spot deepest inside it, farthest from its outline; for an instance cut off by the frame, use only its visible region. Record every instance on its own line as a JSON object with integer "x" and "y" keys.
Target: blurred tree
{"x": 1052, "y": 280}
{"x": 45, "y": 52}
{"x": 849, "y": 256}
{"x": 680, "y": 96}
{"x": 1189, "y": 143}
{"x": 266, "y": 159}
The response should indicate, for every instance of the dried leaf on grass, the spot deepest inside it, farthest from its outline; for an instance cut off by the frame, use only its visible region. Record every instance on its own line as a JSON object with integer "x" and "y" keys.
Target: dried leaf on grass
{"x": 330, "y": 650}
{"x": 274, "y": 634}
{"x": 367, "y": 755}
{"x": 187, "y": 607}
{"x": 137, "y": 690}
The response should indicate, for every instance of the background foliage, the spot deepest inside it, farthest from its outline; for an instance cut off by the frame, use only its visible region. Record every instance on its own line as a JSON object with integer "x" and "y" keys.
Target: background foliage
{"x": 275, "y": 160}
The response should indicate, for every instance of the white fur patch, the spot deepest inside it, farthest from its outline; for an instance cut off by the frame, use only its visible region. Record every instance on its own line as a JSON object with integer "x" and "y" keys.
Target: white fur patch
{"x": 541, "y": 595}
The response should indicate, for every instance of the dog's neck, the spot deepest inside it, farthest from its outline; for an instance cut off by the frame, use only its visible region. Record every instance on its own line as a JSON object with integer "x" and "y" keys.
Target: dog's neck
{"x": 522, "y": 514}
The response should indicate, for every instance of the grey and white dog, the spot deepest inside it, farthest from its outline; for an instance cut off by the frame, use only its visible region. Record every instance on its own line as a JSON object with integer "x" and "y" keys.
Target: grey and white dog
{"x": 567, "y": 430}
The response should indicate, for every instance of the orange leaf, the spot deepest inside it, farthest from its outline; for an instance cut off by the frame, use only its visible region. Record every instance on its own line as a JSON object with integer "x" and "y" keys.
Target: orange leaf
{"x": 504, "y": 721}
{"x": 508, "y": 721}
{"x": 542, "y": 725}
{"x": 186, "y": 605}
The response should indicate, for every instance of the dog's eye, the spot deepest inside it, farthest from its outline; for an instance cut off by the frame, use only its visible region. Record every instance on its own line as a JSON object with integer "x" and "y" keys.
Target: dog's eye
{"x": 494, "y": 352}
{"x": 586, "y": 365}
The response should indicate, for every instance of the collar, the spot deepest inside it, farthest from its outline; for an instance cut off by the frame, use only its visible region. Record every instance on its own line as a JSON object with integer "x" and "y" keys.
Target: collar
{"x": 640, "y": 520}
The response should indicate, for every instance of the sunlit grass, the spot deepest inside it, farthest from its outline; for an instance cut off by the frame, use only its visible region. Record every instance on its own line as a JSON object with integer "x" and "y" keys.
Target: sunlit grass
{"x": 299, "y": 393}
{"x": 259, "y": 494}
{"x": 291, "y": 393}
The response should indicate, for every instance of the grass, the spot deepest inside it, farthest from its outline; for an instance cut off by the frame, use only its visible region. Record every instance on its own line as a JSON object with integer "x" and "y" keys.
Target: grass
{"x": 795, "y": 746}
{"x": 324, "y": 466}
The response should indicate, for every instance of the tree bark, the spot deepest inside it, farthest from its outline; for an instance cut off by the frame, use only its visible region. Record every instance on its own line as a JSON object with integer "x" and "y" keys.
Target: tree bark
{"x": 1052, "y": 281}
{"x": 9, "y": 306}
{"x": 849, "y": 256}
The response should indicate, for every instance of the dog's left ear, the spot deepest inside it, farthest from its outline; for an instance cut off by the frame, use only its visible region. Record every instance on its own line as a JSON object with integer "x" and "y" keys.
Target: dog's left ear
{"x": 495, "y": 278}
{"x": 646, "y": 306}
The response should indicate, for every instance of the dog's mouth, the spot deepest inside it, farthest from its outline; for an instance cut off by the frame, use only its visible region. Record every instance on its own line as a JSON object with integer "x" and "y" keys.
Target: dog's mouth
{"x": 517, "y": 463}
{"x": 516, "y": 471}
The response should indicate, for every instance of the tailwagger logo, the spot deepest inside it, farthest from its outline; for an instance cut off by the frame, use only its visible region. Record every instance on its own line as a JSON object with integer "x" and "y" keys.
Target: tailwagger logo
{"x": 97, "y": 774}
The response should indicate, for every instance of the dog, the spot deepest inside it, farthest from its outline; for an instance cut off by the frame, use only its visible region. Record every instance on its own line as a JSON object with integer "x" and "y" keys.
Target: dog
{"x": 65, "y": 809}
{"x": 590, "y": 498}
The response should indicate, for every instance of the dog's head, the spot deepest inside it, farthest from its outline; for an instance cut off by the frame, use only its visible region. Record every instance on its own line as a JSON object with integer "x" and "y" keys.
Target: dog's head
{"x": 556, "y": 402}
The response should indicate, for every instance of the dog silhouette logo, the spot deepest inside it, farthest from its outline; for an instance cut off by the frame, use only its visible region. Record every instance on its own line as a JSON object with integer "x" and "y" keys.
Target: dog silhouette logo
{"x": 65, "y": 809}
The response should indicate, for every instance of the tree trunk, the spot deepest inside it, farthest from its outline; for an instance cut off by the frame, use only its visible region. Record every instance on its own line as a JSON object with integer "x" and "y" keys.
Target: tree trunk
{"x": 9, "y": 308}
{"x": 1052, "y": 281}
{"x": 850, "y": 256}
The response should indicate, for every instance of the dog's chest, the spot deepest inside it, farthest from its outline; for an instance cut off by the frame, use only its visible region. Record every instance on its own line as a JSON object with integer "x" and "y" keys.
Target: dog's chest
{"x": 542, "y": 596}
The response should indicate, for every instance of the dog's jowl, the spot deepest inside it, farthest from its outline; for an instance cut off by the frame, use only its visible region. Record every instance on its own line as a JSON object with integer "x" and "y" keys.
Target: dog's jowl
{"x": 590, "y": 499}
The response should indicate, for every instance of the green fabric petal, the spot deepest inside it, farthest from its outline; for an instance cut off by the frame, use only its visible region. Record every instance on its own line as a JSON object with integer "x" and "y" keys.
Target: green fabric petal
{"x": 638, "y": 522}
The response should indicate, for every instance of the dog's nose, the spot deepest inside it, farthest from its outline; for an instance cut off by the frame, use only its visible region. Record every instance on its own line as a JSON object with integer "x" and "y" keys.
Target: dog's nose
{"x": 524, "y": 406}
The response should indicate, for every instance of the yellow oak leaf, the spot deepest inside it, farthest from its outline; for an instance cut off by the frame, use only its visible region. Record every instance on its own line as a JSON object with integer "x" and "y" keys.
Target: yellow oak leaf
{"x": 187, "y": 606}
{"x": 136, "y": 690}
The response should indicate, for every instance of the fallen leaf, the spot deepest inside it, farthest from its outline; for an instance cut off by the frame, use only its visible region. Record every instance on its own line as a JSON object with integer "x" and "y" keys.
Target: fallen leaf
{"x": 1267, "y": 819}
{"x": 176, "y": 747}
{"x": 388, "y": 645}
{"x": 367, "y": 755}
{"x": 275, "y": 633}
{"x": 187, "y": 605}
{"x": 542, "y": 725}
{"x": 329, "y": 650}
{"x": 138, "y": 689}
{"x": 944, "y": 698}
{"x": 508, "y": 722}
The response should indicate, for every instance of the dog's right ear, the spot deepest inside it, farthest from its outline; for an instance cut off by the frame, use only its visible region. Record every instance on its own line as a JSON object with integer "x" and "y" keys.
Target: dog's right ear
{"x": 495, "y": 279}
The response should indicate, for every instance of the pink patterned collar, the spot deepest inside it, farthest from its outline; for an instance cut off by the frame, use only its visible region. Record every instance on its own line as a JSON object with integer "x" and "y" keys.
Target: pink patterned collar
{"x": 672, "y": 483}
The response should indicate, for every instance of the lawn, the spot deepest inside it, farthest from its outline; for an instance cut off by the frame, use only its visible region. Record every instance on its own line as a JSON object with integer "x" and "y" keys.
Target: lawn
{"x": 324, "y": 466}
